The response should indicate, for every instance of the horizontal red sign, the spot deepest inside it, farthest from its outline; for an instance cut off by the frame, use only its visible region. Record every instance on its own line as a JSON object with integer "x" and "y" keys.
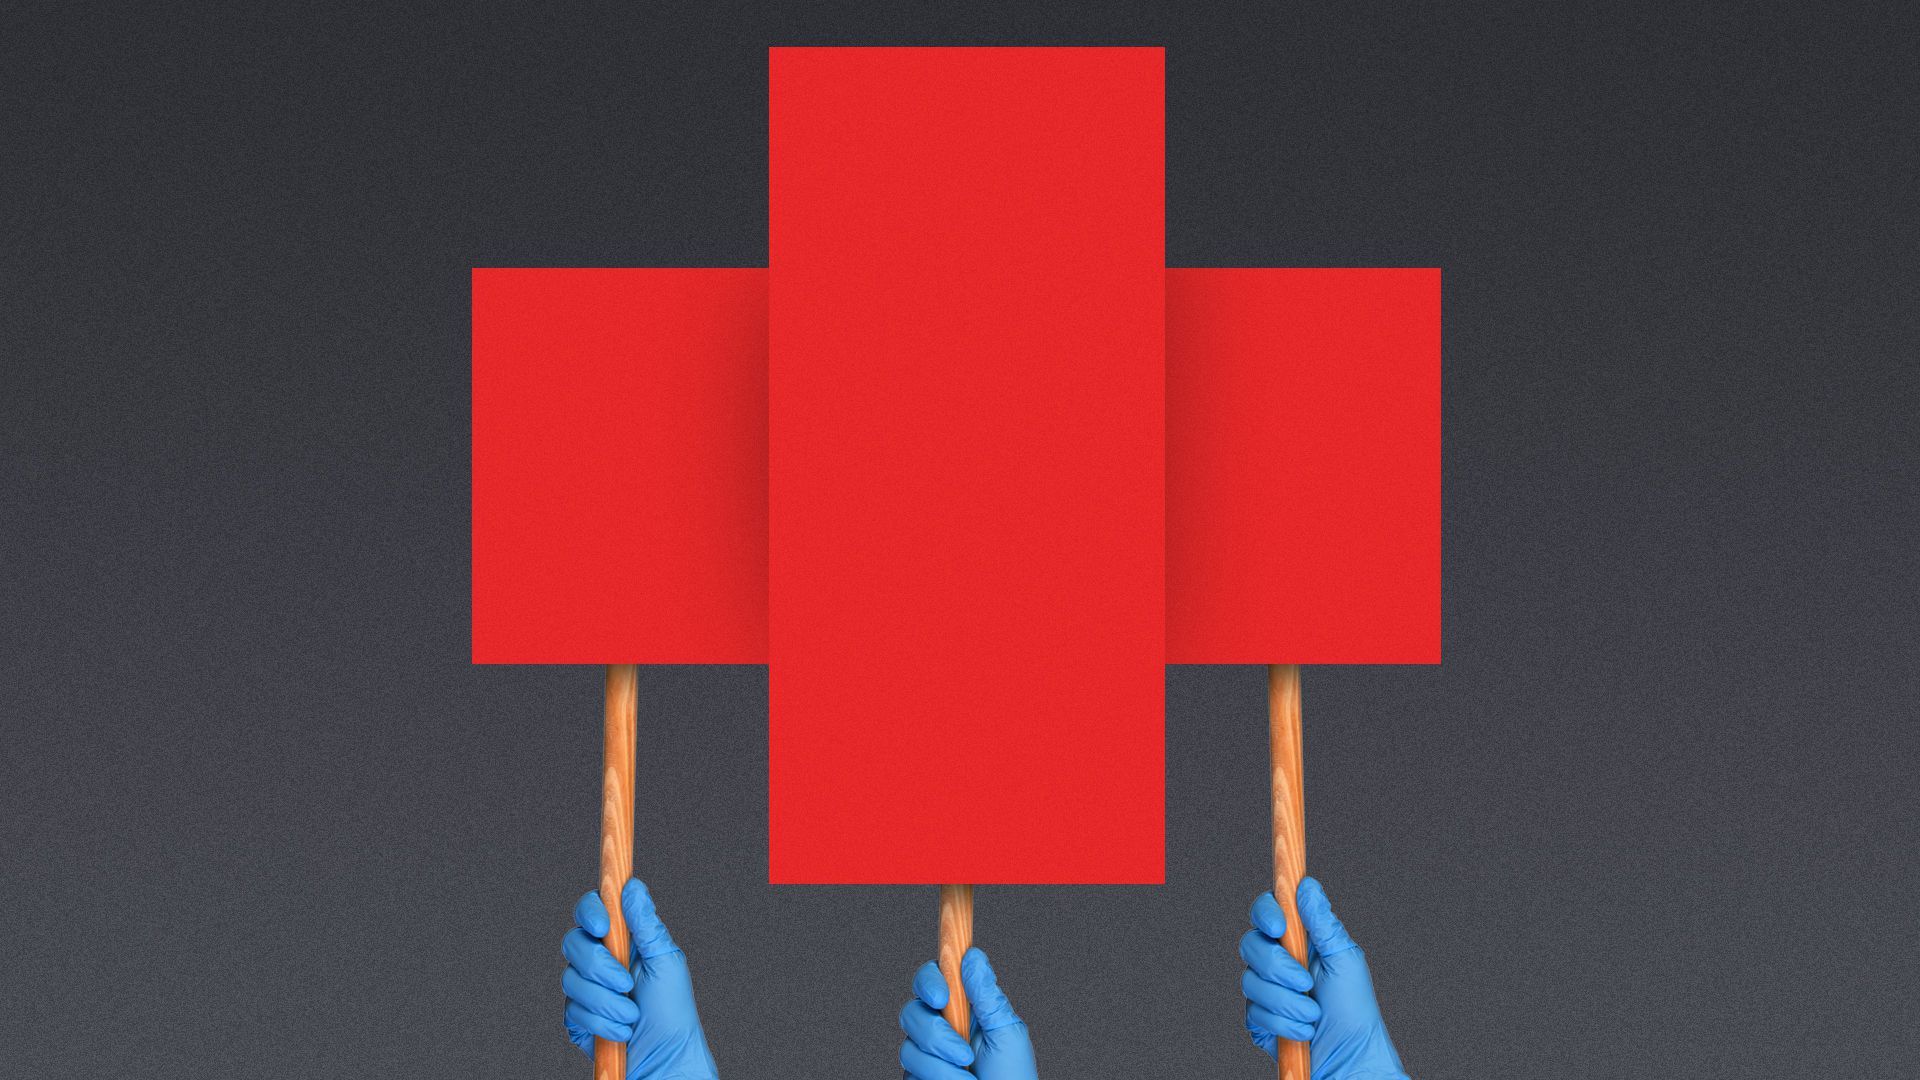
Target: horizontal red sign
{"x": 619, "y": 466}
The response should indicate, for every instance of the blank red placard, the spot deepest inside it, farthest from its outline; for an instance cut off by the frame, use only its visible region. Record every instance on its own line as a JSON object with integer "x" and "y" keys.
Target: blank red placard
{"x": 1303, "y": 466}
{"x": 619, "y": 466}
{"x": 966, "y": 590}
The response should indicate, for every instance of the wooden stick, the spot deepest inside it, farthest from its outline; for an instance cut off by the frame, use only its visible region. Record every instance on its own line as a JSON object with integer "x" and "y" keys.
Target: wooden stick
{"x": 616, "y": 838}
{"x": 1289, "y": 833}
{"x": 956, "y": 937}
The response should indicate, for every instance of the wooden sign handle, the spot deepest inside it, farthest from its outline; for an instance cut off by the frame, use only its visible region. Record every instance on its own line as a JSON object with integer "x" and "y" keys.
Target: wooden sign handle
{"x": 956, "y": 937}
{"x": 1289, "y": 833}
{"x": 616, "y": 838}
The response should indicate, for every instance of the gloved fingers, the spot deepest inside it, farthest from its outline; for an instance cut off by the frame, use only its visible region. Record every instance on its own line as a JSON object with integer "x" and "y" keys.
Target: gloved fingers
{"x": 1264, "y": 1022}
{"x": 586, "y": 955}
{"x": 930, "y": 1032}
{"x": 591, "y": 915}
{"x": 991, "y": 1009}
{"x": 1279, "y": 1000}
{"x": 930, "y": 986}
{"x": 921, "y": 1065}
{"x": 650, "y": 937}
{"x": 596, "y": 1025}
{"x": 1262, "y": 1038}
{"x": 597, "y": 999}
{"x": 1270, "y": 960}
{"x": 1268, "y": 917}
{"x": 1324, "y": 929}
{"x": 579, "y": 1037}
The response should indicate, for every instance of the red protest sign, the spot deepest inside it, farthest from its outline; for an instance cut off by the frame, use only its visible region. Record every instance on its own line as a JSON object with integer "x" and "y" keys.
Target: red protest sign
{"x": 966, "y": 399}
{"x": 1303, "y": 466}
{"x": 619, "y": 466}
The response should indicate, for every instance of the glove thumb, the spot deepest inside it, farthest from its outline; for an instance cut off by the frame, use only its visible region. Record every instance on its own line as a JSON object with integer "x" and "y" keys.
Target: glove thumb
{"x": 650, "y": 937}
{"x": 991, "y": 1009}
{"x": 1325, "y": 931}
{"x": 1003, "y": 1048}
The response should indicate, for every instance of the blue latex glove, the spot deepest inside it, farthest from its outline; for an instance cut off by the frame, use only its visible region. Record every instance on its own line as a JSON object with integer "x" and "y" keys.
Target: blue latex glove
{"x": 1000, "y": 1048}
{"x": 648, "y": 1006}
{"x": 1328, "y": 1003}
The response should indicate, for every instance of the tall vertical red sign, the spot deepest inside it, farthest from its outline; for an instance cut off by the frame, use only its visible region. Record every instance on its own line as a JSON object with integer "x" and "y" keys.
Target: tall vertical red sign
{"x": 966, "y": 614}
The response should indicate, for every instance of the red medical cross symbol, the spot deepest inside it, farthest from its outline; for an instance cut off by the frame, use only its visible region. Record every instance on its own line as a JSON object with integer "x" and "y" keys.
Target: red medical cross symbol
{"x": 965, "y": 465}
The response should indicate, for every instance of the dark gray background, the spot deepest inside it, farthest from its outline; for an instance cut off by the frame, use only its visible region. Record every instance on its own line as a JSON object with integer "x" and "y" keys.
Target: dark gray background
{"x": 1653, "y": 817}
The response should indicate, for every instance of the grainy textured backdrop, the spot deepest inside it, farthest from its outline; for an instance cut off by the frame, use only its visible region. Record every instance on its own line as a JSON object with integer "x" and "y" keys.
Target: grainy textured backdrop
{"x": 1653, "y": 817}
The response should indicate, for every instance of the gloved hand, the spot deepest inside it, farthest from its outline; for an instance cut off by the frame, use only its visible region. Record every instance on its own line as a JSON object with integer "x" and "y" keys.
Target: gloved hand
{"x": 648, "y": 1006}
{"x": 1329, "y": 1002}
{"x": 1000, "y": 1048}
